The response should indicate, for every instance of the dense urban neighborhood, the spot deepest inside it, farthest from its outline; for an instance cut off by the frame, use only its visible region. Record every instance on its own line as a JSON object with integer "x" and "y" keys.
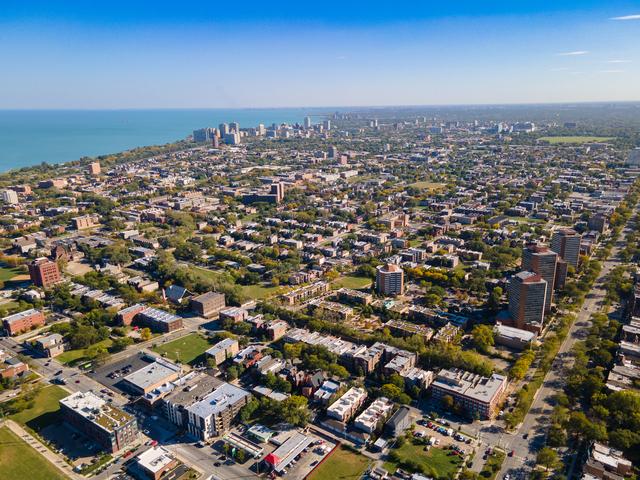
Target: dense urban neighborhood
{"x": 388, "y": 293}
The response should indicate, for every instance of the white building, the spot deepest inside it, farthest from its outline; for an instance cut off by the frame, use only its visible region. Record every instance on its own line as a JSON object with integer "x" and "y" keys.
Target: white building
{"x": 10, "y": 197}
{"x": 348, "y": 404}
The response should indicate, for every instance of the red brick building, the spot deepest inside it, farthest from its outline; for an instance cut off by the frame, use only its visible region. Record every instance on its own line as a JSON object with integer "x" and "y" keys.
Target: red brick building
{"x": 44, "y": 273}
{"x": 22, "y": 321}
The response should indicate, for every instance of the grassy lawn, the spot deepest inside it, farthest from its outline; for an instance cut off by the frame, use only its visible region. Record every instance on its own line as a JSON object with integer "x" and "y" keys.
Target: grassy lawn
{"x": 185, "y": 349}
{"x": 432, "y": 186}
{"x": 341, "y": 464}
{"x": 576, "y": 139}
{"x": 259, "y": 292}
{"x": 435, "y": 462}
{"x": 351, "y": 281}
{"x": 7, "y": 273}
{"x": 44, "y": 410}
{"x": 72, "y": 356}
{"x": 18, "y": 460}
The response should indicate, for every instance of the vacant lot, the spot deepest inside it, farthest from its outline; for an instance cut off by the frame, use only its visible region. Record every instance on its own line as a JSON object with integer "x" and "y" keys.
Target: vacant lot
{"x": 432, "y": 186}
{"x": 185, "y": 349}
{"x": 436, "y": 461}
{"x": 7, "y": 273}
{"x": 576, "y": 139}
{"x": 342, "y": 464}
{"x": 351, "y": 281}
{"x": 18, "y": 460}
{"x": 44, "y": 410}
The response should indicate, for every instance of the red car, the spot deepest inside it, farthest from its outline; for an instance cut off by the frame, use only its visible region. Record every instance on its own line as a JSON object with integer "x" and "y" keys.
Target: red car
{"x": 511, "y": 453}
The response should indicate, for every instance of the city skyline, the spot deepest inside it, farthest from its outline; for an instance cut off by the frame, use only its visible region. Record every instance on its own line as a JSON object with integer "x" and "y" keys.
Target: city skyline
{"x": 73, "y": 55}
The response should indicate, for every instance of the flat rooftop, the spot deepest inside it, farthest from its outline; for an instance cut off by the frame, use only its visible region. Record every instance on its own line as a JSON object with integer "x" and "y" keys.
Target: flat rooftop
{"x": 96, "y": 410}
{"x": 153, "y": 374}
{"x": 217, "y": 401}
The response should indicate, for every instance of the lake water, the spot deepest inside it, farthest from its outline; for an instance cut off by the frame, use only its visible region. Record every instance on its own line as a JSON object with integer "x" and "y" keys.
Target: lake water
{"x": 30, "y": 137}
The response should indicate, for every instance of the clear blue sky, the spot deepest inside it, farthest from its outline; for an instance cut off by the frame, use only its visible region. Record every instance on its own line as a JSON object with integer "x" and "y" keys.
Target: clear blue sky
{"x": 146, "y": 54}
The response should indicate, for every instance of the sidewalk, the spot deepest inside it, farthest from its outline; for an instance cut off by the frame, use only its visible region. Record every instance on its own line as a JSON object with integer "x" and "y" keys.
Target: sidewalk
{"x": 54, "y": 459}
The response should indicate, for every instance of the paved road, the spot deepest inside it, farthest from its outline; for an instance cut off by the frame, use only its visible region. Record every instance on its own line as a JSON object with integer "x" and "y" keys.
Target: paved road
{"x": 536, "y": 421}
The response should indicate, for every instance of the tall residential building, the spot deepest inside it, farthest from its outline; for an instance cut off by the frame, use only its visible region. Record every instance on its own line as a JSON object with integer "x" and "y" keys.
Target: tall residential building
{"x": 327, "y": 124}
{"x": 234, "y": 127}
{"x": 307, "y": 122}
{"x": 94, "y": 168}
{"x": 10, "y": 197}
{"x": 390, "y": 279}
{"x": 224, "y": 129}
{"x": 541, "y": 260}
{"x": 634, "y": 157}
{"x": 527, "y": 294}
{"x": 44, "y": 273}
{"x": 566, "y": 243}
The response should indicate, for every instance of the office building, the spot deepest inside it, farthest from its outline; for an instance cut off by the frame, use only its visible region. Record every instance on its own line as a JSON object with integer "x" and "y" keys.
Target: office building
{"x": 22, "y": 321}
{"x": 479, "y": 396}
{"x": 389, "y": 280}
{"x": 212, "y": 416}
{"x": 10, "y": 197}
{"x": 208, "y": 304}
{"x": 44, "y": 273}
{"x": 566, "y": 243}
{"x": 527, "y": 294}
{"x": 104, "y": 424}
{"x": 541, "y": 260}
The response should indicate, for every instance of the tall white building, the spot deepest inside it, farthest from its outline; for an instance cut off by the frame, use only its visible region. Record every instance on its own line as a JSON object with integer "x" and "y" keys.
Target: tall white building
{"x": 307, "y": 122}
{"x": 10, "y": 197}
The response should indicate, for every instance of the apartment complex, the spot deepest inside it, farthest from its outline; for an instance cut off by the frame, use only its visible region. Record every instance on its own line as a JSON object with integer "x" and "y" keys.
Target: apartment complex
{"x": 22, "y": 321}
{"x": 223, "y": 350}
{"x": 103, "y": 423}
{"x": 478, "y": 395}
{"x": 566, "y": 243}
{"x": 389, "y": 280}
{"x": 347, "y": 405}
{"x": 541, "y": 260}
{"x": 44, "y": 273}
{"x": 527, "y": 296}
{"x": 213, "y": 414}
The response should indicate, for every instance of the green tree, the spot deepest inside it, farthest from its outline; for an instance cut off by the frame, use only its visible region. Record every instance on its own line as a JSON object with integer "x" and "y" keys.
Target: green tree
{"x": 548, "y": 458}
{"x": 483, "y": 337}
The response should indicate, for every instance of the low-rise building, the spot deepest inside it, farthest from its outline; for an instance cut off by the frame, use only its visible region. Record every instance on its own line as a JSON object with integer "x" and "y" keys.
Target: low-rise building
{"x": 606, "y": 463}
{"x": 347, "y": 405}
{"x": 208, "y": 304}
{"x": 23, "y": 321}
{"x": 479, "y": 396}
{"x": 151, "y": 376}
{"x": 223, "y": 350}
{"x": 50, "y": 346}
{"x": 110, "y": 427}
{"x": 159, "y": 320}
{"x": 374, "y": 415}
{"x": 154, "y": 463}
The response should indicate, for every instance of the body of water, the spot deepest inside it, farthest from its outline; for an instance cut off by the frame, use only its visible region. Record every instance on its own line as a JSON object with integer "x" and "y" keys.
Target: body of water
{"x": 30, "y": 137}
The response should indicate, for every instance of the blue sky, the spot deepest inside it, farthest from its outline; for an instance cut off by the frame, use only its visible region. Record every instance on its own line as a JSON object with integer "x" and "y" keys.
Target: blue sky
{"x": 143, "y": 54}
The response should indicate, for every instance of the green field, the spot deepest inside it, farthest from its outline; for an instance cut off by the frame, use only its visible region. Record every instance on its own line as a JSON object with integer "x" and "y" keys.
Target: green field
{"x": 432, "y": 186}
{"x": 351, "y": 281}
{"x": 71, "y": 356}
{"x": 19, "y": 461}
{"x": 342, "y": 464}
{"x": 185, "y": 349}
{"x": 436, "y": 460}
{"x": 44, "y": 410}
{"x": 259, "y": 292}
{"x": 7, "y": 273}
{"x": 574, "y": 140}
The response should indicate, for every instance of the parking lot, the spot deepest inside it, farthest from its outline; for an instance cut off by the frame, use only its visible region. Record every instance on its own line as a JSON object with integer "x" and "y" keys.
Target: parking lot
{"x": 111, "y": 375}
